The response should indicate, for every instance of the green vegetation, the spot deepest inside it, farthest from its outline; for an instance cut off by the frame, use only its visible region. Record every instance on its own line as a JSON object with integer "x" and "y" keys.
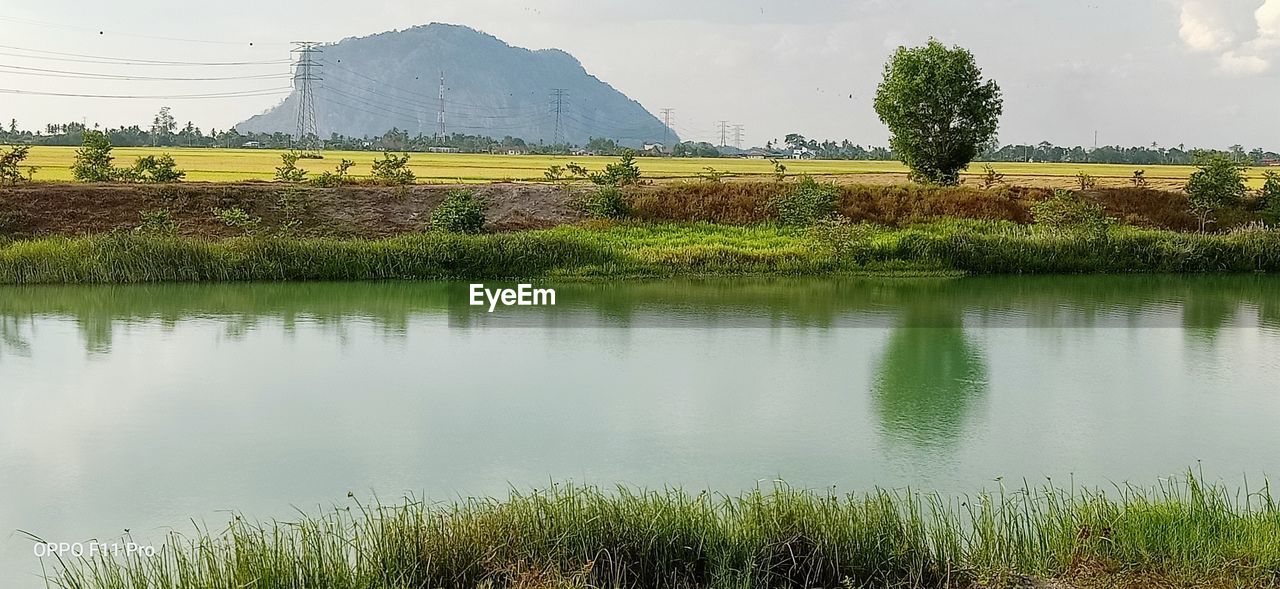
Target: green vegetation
{"x": 1220, "y": 182}
{"x": 152, "y": 169}
{"x": 340, "y": 176}
{"x": 289, "y": 170}
{"x": 805, "y": 203}
{"x": 393, "y": 170}
{"x": 10, "y": 164}
{"x": 1065, "y": 212}
{"x": 939, "y": 110}
{"x": 460, "y": 212}
{"x": 1184, "y": 532}
{"x": 605, "y": 202}
{"x": 1269, "y": 199}
{"x": 93, "y": 159}
{"x": 632, "y": 250}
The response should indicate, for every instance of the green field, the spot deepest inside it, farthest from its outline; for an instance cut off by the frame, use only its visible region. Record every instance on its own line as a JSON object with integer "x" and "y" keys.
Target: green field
{"x": 229, "y": 165}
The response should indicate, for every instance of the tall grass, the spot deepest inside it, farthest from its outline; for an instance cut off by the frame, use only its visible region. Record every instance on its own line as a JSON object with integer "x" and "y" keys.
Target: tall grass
{"x": 1184, "y": 532}
{"x": 618, "y": 250}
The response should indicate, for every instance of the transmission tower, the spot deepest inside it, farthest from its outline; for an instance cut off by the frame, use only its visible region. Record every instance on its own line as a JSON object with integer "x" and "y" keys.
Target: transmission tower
{"x": 737, "y": 136}
{"x": 306, "y": 69}
{"x": 559, "y": 95}
{"x": 724, "y": 133}
{"x": 666, "y": 120}
{"x": 440, "y": 134}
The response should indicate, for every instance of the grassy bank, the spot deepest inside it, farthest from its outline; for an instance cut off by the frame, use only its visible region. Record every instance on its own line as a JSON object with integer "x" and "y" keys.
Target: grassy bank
{"x": 1183, "y": 533}
{"x": 632, "y": 250}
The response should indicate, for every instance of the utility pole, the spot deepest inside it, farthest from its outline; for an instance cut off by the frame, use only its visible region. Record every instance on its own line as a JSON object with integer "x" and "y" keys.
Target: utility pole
{"x": 559, "y": 95}
{"x": 666, "y": 120}
{"x": 724, "y": 133}
{"x": 440, "y": 115}
{"x": 306, "y": 69}
{"x": 737, "y": 136}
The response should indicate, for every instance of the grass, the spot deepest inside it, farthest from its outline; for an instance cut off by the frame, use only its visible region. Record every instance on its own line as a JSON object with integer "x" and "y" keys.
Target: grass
{"x": 228, "y": 165}
{"x": 1182, "y": 533}
{"x": 632, "y": 250}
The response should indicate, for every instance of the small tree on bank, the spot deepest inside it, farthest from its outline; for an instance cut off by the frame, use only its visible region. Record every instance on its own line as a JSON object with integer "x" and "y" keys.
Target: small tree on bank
{"x": 93, "y": 159}
{"x": 10, "y": 163}
{"x": 939, "y": 110}
{"x": 1219, "y": 182}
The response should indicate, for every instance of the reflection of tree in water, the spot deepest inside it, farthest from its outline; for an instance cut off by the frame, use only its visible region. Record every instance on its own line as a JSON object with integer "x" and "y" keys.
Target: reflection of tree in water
{"x": 11, "y": 340}
{"x": 929, "y": 377}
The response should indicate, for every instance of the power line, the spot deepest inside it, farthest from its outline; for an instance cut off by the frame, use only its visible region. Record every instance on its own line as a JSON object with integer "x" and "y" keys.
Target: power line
{"x": 440, "y": 132}
{"x": 101, "y": 32}
{"x": 666, "y": 121}
{"x": 82, "y": 58}
{"x": 737, "y": 136}
{"x": 305, "y": 72}
{"x": 724, "y": 133}
{"x": 42, "y": 72}
{"x": 240, "y": 94}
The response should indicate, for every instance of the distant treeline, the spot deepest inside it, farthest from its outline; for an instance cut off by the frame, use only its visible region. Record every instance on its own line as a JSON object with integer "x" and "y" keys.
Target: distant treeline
{"x": 795, "y": 145}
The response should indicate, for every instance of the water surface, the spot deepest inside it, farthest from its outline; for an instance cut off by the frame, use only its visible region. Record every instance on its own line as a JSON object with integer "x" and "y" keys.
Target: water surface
{"x": 142, "y": 407}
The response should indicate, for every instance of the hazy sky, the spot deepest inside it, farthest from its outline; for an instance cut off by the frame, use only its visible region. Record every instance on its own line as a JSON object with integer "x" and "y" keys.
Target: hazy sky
{"x": 1200, "y": 72}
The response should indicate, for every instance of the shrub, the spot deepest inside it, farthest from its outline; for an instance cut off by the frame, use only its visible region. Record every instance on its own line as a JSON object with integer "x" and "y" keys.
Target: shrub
{"x": 338, "y": 177}
{"x": 393, "y": 170}
{"x": 806, "y": 203}
{"x": 156, "y": 170}
{"x": 1269, "y": 199}
{"x": 1220, "y": 182}
{"x": 991, "y": 178}
{"x": 1086, "y": 181}
{"x": 289, "y": 171}
{"x": 236, "y": 217}
{"x": 845, "y": 239}
{"x": 779, "y": 171}
{"x": 460, "y": 212}
{"x": 1066, "y": 212}
{"x": 10, "y": 163}
{"x": 712, "y": 175}
{"x": 93, "y": 159}
{"x": 607, "y": 202}
{"x": 1139, "y": 179}
{"x": 623, "y": 173}
{"x": 159, "y": 222}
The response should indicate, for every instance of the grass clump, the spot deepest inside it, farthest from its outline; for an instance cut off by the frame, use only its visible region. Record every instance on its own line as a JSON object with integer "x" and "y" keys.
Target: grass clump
{"x": 1066, "y": 212}
{"x": 605, "y": 202}
{"x": 460, "y": 212}
{"x": 1183, "y": 532}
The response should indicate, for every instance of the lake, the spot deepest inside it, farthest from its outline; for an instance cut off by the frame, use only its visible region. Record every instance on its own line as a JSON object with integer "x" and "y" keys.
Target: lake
{"x": 145, "y": 407}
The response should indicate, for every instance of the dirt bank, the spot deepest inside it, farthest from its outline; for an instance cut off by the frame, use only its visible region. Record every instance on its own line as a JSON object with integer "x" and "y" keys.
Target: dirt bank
{"x": 43, "y": 209}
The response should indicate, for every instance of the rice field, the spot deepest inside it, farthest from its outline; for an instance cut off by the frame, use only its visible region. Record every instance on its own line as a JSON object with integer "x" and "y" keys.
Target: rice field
{"x": 1183, "y": 532}
{"x": 232, "y": 165}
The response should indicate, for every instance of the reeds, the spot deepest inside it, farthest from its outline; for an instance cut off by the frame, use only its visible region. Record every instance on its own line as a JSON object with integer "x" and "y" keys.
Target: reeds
{"x": 1184, "y": 532}
{"x": 630, "y": 250}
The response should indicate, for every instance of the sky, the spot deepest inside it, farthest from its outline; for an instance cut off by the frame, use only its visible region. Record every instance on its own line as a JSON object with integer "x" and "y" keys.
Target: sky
{"x": 1202, "y": 73}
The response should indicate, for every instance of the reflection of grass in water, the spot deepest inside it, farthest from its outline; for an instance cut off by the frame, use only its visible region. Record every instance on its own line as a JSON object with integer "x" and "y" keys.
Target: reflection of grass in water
{"x": 1184, "y": 533}
{"x": 11, "y": 340}
{"x": 928, "y": 378}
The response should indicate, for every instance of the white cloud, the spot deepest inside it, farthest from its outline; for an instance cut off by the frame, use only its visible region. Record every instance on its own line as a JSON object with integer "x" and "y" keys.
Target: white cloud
{"x": 1244, "y": 35}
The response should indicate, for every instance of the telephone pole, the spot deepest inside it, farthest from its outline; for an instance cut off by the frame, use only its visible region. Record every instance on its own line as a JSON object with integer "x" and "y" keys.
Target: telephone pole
{"x": 559, "y": 95}
{"x": 724, "y": 133}
{"x": 306, "y": 69}
{"x": 737, "y": 136}
{"x": 666, "y": 121}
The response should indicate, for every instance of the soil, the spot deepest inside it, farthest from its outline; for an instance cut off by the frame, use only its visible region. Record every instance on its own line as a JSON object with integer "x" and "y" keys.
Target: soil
{"x": 45, "y": 209}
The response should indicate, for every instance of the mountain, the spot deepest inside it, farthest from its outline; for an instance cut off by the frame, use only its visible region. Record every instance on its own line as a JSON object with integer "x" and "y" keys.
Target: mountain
{"x": 372, "y": 84}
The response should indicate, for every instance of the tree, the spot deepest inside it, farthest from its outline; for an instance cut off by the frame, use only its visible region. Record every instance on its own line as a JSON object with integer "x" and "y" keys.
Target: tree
{"x": 164, "y": 123}
{"x": 1219, "y": 182}
{"x": 1269, "y": 198}
{"x": 939, "y": 110}
{"x": 10, "y": 162}
{"x": 93, "y": 159}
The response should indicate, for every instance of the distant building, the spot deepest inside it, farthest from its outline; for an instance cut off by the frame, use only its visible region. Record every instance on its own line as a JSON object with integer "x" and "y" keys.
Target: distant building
{"x": 803, "y": 153}
{"x": 251, "y": 145}
{"x": 443, "y": 149}
{"x": 517, "y": 151}
{"x": 1271, "y": 162}
{"x": 655, "y": 148}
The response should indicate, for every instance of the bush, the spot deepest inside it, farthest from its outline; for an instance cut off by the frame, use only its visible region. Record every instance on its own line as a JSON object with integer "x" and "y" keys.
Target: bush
{"x": 157, "y": 222}
{"x": 460, "y": 212}
{"x": 1066, "y": 212}
{"x": 806, "y": 203}
{"x": 289, "y": 171}
{"x": 236, "y": 217}
{"x": 156, "y": 170}
{"x": 607, "y": 202}
{"x": 1220, "y": 182}
{"x": 1269, "y": 199}
{"x": 393, "y": 170}
{"x": 623, "y": 173}
{"x": 93, "y": 159}
{"x": 10, "y": 163}
{"x": 846, "y": 240}
{"x": 1086, "y": 181}
{"x": 340, "y": 175}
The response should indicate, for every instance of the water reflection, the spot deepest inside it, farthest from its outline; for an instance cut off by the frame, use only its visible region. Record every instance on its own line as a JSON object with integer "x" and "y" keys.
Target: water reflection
{"x": 929, "y": 377}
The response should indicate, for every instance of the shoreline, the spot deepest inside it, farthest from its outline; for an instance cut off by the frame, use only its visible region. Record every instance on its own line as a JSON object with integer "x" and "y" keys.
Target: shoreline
{"x": 615, "y": 250}
{"x": 1184, "y": 532}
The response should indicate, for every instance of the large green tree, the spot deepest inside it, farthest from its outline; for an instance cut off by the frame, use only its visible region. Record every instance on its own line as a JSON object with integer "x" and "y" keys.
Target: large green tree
{"x": 939, "y": 109}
